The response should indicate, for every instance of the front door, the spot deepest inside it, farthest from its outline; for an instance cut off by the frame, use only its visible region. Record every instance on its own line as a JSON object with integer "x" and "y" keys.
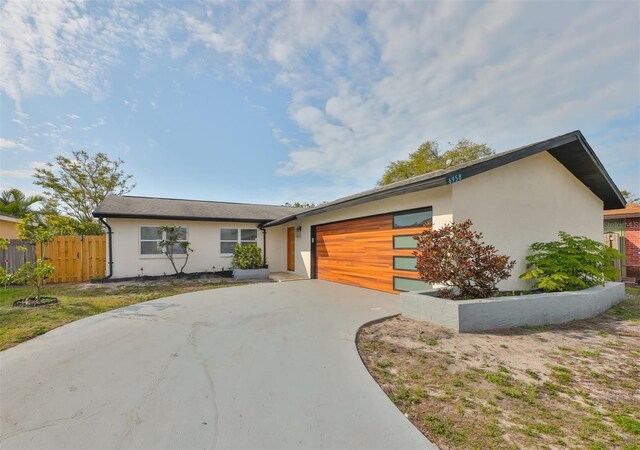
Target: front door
{"x": 291, "y": 248}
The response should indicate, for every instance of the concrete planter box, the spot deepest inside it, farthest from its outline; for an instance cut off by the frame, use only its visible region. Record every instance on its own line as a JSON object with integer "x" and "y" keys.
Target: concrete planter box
{"x": 508, "y": 312}
{"x": 246, "y": 274}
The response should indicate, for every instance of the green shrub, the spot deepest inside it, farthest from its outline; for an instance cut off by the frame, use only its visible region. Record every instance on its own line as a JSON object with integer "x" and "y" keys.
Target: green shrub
{"x": 571, "y": 263}
{"x": 6, "y": 278}
{"x": 247, "y": 257}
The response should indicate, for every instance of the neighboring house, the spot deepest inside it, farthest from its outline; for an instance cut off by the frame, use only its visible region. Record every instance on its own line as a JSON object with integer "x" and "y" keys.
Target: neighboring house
{"x": 624, "y": 224}
{"x": 515, "y": 198}
{"x": 8, "y": 226}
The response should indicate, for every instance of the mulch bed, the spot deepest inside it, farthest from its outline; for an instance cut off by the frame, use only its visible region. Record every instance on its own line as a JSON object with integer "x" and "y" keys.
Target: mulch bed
{"x": 31, "y": 302}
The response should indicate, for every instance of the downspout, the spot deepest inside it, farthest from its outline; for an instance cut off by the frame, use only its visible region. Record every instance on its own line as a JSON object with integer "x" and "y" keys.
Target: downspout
{"x": 264, "y": 247}
{"x": 109, "y": 234}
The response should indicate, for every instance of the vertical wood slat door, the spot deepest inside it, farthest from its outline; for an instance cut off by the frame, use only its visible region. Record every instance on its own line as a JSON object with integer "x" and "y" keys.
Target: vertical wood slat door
{"x": 76, "y": 258}
{"x": 291, "y": 248}
{"x": 360, "y": 252}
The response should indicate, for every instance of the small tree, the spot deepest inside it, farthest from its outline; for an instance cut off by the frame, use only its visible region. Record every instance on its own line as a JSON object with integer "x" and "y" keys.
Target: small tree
{"x": 36, "y": 231}
{"x": 172, "y": 244}
{"x": 571, "y": 263}
{"x": 455, "y": 256}
{"x": 247, "y": 257}
{"x": 39, "y": 233}
{"x": 34, "y": 274}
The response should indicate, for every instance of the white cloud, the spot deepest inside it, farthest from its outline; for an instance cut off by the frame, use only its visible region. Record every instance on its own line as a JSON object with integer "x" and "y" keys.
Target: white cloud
{"x": 5, "y": 143}
{"x": 53, "y": 46}
{"x": 280, "y": 136}
{"x": 503, "y": 73}
{"x": 23, "y": 172}
{"x": 368, "y": 81}
{"x": 9, "y": 144}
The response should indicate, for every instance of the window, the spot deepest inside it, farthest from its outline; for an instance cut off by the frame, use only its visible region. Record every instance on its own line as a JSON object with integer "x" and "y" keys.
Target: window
{"x": 150, "y": 238}
{"x": 409, "y": 284}
{"x": 405, "y": 263}
{"x": 229, "y": 237}
{"x": 412, "y": 219}
{"x": 404, "y": 241}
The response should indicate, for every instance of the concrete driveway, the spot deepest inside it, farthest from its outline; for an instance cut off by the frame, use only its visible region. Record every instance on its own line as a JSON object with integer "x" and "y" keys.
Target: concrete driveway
{"x": 258, "y": 366}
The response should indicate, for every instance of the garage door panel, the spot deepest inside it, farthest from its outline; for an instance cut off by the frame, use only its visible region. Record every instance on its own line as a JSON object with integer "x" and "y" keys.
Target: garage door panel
{"x": 360, "y": 252}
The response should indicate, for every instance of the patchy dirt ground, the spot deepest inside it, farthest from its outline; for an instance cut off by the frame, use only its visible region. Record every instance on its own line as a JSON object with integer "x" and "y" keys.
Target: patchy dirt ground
{"x": 570, "y": 386}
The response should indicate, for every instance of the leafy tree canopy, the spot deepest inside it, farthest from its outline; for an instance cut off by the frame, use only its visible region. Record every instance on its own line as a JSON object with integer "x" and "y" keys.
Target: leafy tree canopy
{"x": 428, "y": 159}
{"x": 80, "y": 183}
{"x": 630, "y": 197}
{"x": 15, "y": 203}
{"x": 68, "y": 226}
{"x": 300, "y": 205}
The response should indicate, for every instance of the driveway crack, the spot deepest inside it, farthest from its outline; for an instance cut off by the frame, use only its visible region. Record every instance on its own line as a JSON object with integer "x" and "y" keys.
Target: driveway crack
{"x": 47, "y": 424}
{"x": 133, "y": 417}
{"x": 192, "y": 338}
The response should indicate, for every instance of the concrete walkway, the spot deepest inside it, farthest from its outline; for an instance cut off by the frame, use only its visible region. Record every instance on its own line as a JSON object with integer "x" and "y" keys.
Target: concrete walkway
{"x": 259, "y": 366}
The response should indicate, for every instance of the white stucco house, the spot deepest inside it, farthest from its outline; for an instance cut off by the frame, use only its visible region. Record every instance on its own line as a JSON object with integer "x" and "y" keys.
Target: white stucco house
{"x": 514, "y": 198}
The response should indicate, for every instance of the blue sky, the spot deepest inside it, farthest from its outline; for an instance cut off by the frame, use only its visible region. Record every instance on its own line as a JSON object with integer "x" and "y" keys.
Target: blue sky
{"x": 270, "y": 102}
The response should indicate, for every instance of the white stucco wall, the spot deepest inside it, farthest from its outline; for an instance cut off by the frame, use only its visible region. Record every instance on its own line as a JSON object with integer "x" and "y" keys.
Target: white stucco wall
{"x": 438, "y": 198}
{"x": 204, "y": 238}
{"x": 277, "y": 249}
{"x": 527, "y": 201}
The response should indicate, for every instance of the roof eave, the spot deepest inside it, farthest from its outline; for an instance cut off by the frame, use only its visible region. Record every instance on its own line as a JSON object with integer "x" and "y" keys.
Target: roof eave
{"x": 170, "y": 217}
{"x": 603, "y": 171}
{"x": 621, "y": 216}
{"x": 405, "y": 189}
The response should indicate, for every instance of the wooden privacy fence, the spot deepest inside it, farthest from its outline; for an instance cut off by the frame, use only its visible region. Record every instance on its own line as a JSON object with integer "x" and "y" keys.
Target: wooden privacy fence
{"x": 76, "y": 258}
{"x": 17, "y": 253}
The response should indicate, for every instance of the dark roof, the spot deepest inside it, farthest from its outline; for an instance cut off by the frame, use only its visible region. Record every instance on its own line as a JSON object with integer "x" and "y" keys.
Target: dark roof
{"x": 571, "y": 150}
{"x": 125, "y": 206}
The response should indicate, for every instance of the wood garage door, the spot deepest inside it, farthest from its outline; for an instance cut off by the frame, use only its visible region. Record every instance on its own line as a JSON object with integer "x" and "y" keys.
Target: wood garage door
{"x": 361, "y": 252}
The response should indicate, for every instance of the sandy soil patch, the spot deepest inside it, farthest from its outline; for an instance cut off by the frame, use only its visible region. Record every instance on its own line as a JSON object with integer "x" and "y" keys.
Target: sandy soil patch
{"x": 568, "y": 386}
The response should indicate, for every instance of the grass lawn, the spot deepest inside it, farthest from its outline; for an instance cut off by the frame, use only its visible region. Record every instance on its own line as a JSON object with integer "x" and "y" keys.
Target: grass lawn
{"x": 568, "y": 386}
{"x": 78, "y": 300}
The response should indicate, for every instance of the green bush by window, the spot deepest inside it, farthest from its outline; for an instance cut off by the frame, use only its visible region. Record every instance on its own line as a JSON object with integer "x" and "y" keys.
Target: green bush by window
{"x": 571, "y": 263}
{"x": 247, "y": 257}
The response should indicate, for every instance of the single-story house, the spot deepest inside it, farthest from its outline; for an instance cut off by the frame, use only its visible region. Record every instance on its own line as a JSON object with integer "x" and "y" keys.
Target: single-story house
{"x": 514, "y": 198}
{"x": 8, "y": 226}
{"x": 623, "y": 225}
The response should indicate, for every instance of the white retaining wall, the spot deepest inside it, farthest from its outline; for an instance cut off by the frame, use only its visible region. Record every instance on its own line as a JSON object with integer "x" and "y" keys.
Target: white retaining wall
{"x": 508, "y": 312}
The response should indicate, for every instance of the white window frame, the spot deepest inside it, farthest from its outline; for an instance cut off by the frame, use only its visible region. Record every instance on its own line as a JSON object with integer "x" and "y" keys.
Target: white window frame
{"x": 163, "y": 237}
{"x": 238, "y": 240}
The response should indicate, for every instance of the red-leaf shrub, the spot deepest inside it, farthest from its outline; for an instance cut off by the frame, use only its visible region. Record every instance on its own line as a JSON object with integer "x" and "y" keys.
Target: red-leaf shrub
{"x": 455, "y": 256}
